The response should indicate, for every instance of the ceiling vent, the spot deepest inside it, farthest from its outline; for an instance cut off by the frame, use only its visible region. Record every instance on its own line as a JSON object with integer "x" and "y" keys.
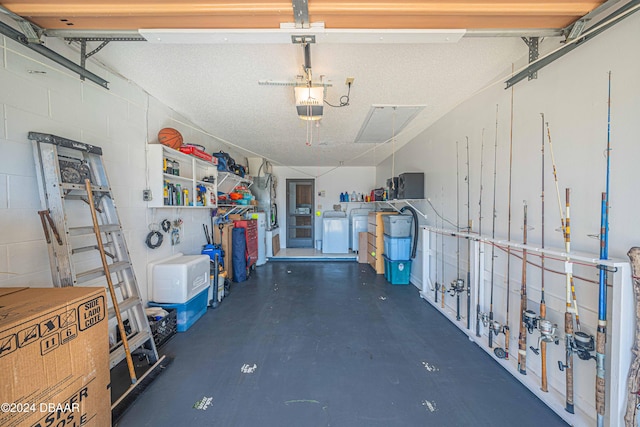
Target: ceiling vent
{"x": 384, "y": 122}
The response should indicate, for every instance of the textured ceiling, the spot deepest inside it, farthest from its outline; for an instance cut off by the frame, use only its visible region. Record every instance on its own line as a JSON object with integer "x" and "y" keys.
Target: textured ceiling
{"x": 216, "y": 86}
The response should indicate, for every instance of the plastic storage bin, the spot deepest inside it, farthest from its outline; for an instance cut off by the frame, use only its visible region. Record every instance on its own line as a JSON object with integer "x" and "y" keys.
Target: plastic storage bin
{"x": 177, "y": 279}
{"x": 163, "y": 329}
{"x": 397, "y": 248}
{"x": 397, "y": 225}
{"x": 397, "y": 272}
{"x": 189, "y": 312}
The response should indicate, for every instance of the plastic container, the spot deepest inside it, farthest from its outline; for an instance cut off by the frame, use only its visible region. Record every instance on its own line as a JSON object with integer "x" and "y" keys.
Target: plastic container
{"x": 189, "y": 312}
{"x": 193, "y": 151}
{"x": 397, "y": 225}
{"x": 397, "y": 272}
{"x": 178, "y": 279}
{"x": 163, "y": 329}
{"x": 397, "y": 248}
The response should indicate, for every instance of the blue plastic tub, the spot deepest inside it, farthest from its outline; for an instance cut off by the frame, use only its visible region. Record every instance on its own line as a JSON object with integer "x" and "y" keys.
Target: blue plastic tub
{"x": 397, "y": 248}
{"x": 397, "y": 272}
{"x": 189, "y": 312}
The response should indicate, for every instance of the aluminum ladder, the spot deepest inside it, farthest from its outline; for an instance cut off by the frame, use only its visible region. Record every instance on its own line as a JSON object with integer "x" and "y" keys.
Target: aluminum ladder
{"x": 62, "y": 166}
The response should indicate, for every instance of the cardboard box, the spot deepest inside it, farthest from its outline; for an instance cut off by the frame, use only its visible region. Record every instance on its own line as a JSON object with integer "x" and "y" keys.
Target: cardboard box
{"x": 235, "y": 217}
{"x": 54, "y": 357}
{"x": 362, "y": 246}
{"x": 275, "y": 242}
{"x": 227, "y": 246}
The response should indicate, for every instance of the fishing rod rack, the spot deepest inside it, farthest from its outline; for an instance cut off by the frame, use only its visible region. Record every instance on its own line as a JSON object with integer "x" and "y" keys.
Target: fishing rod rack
{"x": 620, "y": 336}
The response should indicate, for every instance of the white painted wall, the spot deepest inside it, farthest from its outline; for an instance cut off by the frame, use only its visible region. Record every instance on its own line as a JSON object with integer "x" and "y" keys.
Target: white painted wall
{"x": 572, "y": 93}
{"x": 36, "y": 95}
{"x": 332, "y": 181}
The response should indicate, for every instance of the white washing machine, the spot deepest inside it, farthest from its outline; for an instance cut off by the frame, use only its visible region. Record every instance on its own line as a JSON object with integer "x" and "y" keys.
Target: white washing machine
{"x": 335, "y": 233}
{"x": 359, "y": 222}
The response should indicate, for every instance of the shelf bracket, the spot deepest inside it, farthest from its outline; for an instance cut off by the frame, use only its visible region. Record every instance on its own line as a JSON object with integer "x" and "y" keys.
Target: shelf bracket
{"x": 406, "y": 202}
{"x": 532, "y": 42}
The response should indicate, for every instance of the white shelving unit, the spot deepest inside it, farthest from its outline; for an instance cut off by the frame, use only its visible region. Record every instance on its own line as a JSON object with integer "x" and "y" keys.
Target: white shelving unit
{"x": 227, "y": 181}
{"x": 398, "y": 204}
{"x": 192, "y": 172}
{"x": 395, "y": 204}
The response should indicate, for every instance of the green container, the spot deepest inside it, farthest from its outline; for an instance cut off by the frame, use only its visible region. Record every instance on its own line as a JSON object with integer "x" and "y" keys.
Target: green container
{"x": 397, "y": 272}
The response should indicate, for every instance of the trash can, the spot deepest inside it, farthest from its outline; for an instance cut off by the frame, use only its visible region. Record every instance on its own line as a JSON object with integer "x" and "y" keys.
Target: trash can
{"x": 318, "y": 245}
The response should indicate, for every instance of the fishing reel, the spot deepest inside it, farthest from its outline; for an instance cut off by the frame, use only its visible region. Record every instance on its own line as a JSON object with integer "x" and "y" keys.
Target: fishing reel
{"x": 581, "y": 344}
{"x": 484, "y": 318}
{"x": 497, "y": 328}
{"x": 547, "y": 329}
{"x": 456, "y": 287}
{"x": 530, "y": 320}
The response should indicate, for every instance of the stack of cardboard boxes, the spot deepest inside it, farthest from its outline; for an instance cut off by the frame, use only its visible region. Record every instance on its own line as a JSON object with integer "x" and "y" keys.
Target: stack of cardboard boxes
{"x": 54, "y": 357}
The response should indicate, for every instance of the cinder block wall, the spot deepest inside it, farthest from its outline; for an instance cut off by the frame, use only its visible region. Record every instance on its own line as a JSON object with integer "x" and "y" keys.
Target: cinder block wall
{"x": 37, "y": 95}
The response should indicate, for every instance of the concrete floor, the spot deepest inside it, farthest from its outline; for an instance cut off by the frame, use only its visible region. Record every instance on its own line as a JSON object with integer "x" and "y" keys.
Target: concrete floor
{"x": 330, "y": 344}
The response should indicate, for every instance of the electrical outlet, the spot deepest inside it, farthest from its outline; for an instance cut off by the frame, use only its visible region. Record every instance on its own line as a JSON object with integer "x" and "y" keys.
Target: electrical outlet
{"x": 146, "y": 195}
{"x": 349, "y": 81}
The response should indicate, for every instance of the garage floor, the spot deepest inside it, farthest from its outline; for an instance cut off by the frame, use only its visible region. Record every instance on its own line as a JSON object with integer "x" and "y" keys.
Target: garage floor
{"x": 330, "y": 344}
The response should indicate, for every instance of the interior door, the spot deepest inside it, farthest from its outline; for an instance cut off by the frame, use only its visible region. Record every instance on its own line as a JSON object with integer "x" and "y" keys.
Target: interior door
{"x": 300, "y": 219}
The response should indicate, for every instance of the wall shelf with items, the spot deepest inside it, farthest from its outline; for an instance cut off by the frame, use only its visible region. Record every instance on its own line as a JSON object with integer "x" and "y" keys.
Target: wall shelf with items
{"x": 178, "y": 180}
{"x": 236, "y": 209}
{"x": 227, "y": 181}
{"x": 397, "y": 204}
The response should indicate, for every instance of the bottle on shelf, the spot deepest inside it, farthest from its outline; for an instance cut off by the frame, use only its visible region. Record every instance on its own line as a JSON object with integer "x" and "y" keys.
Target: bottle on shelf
{"x": 165, "y": 192}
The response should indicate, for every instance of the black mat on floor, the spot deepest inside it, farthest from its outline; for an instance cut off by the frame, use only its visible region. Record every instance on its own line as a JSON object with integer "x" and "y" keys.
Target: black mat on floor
{"x": 330, "y": 344}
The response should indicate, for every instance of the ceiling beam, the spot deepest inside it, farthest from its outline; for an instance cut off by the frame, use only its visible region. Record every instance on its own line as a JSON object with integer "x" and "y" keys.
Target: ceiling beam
{"x": 608, "y": 22}
{"x": 301, "y": 13}
{"x": 55, "y": 57}
{"x": 371, "y": 14}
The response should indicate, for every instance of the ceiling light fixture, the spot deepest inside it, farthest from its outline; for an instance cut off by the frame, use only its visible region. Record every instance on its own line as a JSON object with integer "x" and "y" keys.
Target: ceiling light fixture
{"x": 309, "y": 97}
{"x": 309, "y": 102}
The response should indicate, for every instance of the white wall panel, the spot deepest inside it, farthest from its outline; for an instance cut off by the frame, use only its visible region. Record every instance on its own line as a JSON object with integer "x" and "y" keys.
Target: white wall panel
{"x": 4, "y": 191}
{"x": 572, "y": 93}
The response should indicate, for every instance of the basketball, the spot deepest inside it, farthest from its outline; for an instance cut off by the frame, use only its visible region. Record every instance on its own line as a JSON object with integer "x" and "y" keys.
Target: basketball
{"x": 170, "y": 137}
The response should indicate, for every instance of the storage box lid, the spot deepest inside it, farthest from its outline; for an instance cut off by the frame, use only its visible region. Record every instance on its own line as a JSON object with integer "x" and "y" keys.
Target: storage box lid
{"x": 185, "y": 259}
{"x": 17, "y": 305}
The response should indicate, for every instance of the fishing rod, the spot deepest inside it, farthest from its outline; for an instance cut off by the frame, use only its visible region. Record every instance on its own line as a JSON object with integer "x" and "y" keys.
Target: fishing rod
{"x": 562, "y": 222}
{"x": 506, "y": 325}
{"x": 443, "y": 289}
{"x": 506, "y": 328}
{"x": 602, "y": 288}
{"x": 522, "y": 338}
{"x": 577, "y": 342}
{"x": 480, "y": 317}
{"x": 457, "y": 285}
{"x": 580, "y": 343}
{"x": 437, "y": 287}
{"x": 469, "y": 225}
{"x": 546, "y": 328}
{"x": 492, "y": 325}
{"x": 543, "y": 304}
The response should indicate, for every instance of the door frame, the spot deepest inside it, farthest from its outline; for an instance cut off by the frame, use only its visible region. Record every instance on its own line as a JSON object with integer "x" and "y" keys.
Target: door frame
{"x": 293, "y": 242}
